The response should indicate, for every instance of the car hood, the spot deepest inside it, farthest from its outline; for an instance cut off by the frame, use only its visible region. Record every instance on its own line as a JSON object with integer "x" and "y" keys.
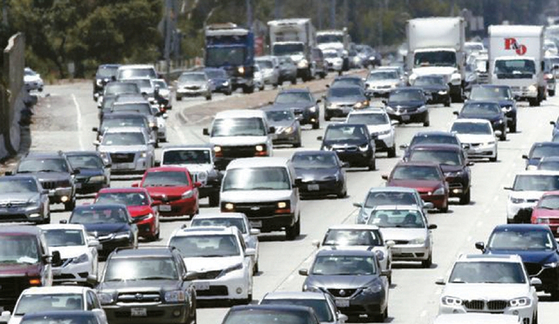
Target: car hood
{"x": 480, "y": 116}
{"x": 281, "y": 123}
{"x": 547, "y": 213}
{"x": 52, "y": 176}
{"x": 238, "y": 140}
{"x": 67, "y": 252}
{"x": 241, "y": 196}
{"x": 383, "y": 82}
{"x": 294, "y": 105}
{"x": 405, "y": 104}
{"x": 20, "y": 269}
{"x": 17, "y": 197}
{"x": 104, "y": 229}
{"x": 475, "y": 138}
{"x": 205, "y": 264}
{"x": 132, "y": 286}
{"x": 157, "y": 192}
{"x": 420, "y": 185}
{"x": 451, "y": 168}
{"x": 485, "y": 291}
{"x": 540, "y": 257}
{"x": 139, "y": 210}
{"x": 86, "y": 173}
{"x": 378, "y": 128}
{"x": 339, "y": 282}
{"x": 402, "y": 233}
{"x": 350, "y": 100}
{"x": 436, "y": 70}
{"x": 191, "y": 83}
{"x": 315, "y": 174}
{"x": 122, "y": 148}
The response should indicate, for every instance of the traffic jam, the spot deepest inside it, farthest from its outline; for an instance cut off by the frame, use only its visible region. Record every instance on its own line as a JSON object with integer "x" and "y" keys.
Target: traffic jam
{"x": 120, "y": 231}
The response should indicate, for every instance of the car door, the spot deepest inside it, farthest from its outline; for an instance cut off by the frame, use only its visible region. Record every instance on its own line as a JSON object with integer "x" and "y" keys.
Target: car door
{"x": 294, "y": 189}
{"x": 93, "y": 304}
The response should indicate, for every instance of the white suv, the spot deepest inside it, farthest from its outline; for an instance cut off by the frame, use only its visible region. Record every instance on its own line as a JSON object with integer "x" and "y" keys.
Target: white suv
{"x": 493, "y": 284}
{"x": 379, "y": 125}
{"x": 220, "y": 258}
{"x": 525, "y": 192}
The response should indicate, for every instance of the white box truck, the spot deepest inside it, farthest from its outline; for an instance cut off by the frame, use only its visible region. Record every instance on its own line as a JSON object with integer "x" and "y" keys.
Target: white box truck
{"x": 516, "y": 59}
{"x": 294, "y": 38}
{"x": 436, "y": 47}
{"x": 338, "y": 40}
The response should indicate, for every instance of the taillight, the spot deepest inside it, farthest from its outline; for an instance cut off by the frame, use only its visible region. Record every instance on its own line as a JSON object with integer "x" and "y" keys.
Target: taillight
{"x": 35, "y": 281}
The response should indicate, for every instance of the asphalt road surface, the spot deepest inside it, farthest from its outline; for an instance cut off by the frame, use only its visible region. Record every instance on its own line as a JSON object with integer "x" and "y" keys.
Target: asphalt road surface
{"x": 66, "y": 114}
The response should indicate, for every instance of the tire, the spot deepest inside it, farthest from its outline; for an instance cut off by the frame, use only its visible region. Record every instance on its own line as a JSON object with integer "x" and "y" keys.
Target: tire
{"x": 327, "y": 118}
{"x": 292, "y": 232}
{"x": 316, "y": 125}
{"x": 209, "y": 97}
{"x": 179, "y": 98}
{"x": 392, "y": 151}
{"x": 426, "y": 122}
{"x": 447, "y": 103}
{"x": 465, "y": 198}
{"x": 214, "y": 199}
{"x": 512, "y": 127}
{"x": 445, "y": 208}
{"x": 247, "y": 89}
{"x": 294, "y": 81}
{"x": 551, "y": 93}
{"x": 427, "y": 263}
{"x": 534, "y": 102}
{"x": 342, "y": 194}
{"x": 69, "y": 206}
{"x": 297, "y": 144}
{"x": 255, "y": 269}
{"x": 555, "y": 295}
{"x": 373, "y": 164}
{"x": 503, "y": 137}
{"x": 228, "y": 93}
{"x": 493, "y": 159}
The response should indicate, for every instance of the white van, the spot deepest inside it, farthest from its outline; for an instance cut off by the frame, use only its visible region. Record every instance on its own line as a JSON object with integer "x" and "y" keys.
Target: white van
{"x": 135, "y": 71}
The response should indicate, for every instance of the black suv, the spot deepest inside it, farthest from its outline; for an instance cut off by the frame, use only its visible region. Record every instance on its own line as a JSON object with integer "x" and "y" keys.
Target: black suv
{"x": 105, "y": 74}
{"x": 352, "y": 143}
{"x": 55, "y": 173}
{"x": 302, "y": 103}
{"x": 147, "y": 285}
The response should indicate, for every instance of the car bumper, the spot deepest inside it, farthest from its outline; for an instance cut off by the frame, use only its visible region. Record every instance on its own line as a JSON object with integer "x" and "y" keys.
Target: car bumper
{"x": 519, "y": 213}
{"x": 337, "y": 111}
{"x": 192, "y": 92}
{"x": 179, "y": 207}
{"x": 525, "y": 314}
{"x": 362, "y": 304}
{"x": 87, "y": 187}
{"x": 139, "y": 165}
{"x": 457, "y": 186}
{"x": 271, "y": 223}
{"x": 72, "y": 272}
{"x": 292, "y": 138}
{"x": 409, "y": 117}
{"x": 168, "y": 313}
{"x": 321, "y": 188}
{"x": 378, "y": 92}
{"x": 355, "y": 159}
{"x": 22, "y": 214}
{"x": 479, "y": 151}
{"x": 234, "y": 285}
{"x": 410, "y": 252}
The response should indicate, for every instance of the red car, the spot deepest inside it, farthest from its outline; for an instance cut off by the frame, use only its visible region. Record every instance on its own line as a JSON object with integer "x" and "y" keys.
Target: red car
{"x": 547, "y": 211}
{"x": 173, "y": 188}
{"x": 426, "y": 177}
{"x": 139, "y": 205}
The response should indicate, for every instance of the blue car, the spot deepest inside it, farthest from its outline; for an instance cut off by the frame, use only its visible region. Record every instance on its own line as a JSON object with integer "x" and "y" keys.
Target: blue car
{"x": 219, "y": 80}
{"x": 536, "y": 246}
{"x": 538, "y": 151}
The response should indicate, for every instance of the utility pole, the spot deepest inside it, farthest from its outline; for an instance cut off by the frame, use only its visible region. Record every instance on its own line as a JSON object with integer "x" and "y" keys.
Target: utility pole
{"x": 249, "y": 14}
{"x": 277, "y": 9}
{"x": 332, "y": 14}
{"x": 168, "y": 35}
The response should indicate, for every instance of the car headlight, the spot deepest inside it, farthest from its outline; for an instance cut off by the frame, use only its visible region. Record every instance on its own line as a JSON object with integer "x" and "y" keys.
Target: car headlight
{"x": 81, "y": 259}
{"x": 260, "y": 148}
{"x": 451, "y": 301}
{"x": 143, "y": 154}
{"x": 533, "y": 87}
{"x": 226, "y": 83}
{"x": 327, "y": 148}
{"x": 519, "y": 302}
{"x": 217, "y": 149}
{"x": 422, "y": 108}
{"x": 105, "y": 298}
{"x": 442, "y": 93}
{"x": 490, "y": 143}
{"x": 412, "y": 78}
{"x": 175, "y": 296}
{"x": 152, "y": 124}
{"x": 312, "y": 288}
{"x": 506, "y": 108}
{"x": 517, "y": 200}
{"x": 283, "y": 204}
{"x": 143, "y": 217}
{"x": 384, "y": 132}
{"x": 187, "y": 194}
{"x": 97, "y": 179}
{"x": 439, "y": 191}
{"x": 99, "y": 82}
{"x": 229, "y": 206}
{"x": 312, "y": 109}
{"x": 542, "y": 221}
{"x": 235, "y": 267}
{"x": 361, "y": 104}
{"x": 380, "y": 255}
{"x": 388, "y": 108}
{"x": 121, "y": 235}
{"x": 532, "y": 167}
{"x": 419, "y": 240}
{"x": 303, "y": 64}
{"x": 241, "y": 69}
{"x": 364, "y": 148}
{"x": 551, "y": 265}
{"x": 373, "y": 289}
{"x": 288, "y": 130}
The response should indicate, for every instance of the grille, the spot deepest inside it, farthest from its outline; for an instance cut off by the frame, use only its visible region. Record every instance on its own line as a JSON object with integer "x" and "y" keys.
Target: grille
{"x": 401, "y": 241}
{"x": 139, "y": 297}
{"x": 48, "y": 184}
{"x": 13, "y": 218}
{"x": 256, "y": 209}
{"x": 497, "y": 305}
{"x": 9, "y": 204}
{"x": 238, "y": 151}
{"x": 122, "y": 157}
{"x": 150, "y": 313}
{"x": 209, "y": 274}
{"x": 213, "y": 291}
{"x": 532, "y": 268}
{"x": 474, "y": 304}
{"x": 10, "y": 288}
{"x": 345, "y": 149}
{"x": 454, "y": 185}
{"x": 192, "y": 87}
{"x": 342, "y": 292}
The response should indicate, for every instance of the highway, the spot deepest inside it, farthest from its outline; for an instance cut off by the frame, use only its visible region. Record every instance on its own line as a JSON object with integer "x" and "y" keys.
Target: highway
{"x": 66, "y": 113}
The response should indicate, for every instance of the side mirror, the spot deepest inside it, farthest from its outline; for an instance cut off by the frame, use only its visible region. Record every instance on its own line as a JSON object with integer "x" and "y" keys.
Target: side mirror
{"x": 480, "y": 246}
{"x": 385, "y": 273}
{"x": 403, "y": 146}
{"x": 55, "y": 258}
{"x": 92, "y": 280}
{"x": 197, "y": 184}
{"x": 345, "y": 164}
{"x": 63, "y": 221}
{"x": 151, "y": 142}
{"x": 498, "y": 133}
{"x": 327, "y": 86}
{"x": 384, "y": 101}
{"x": 318, "y": 100}
{"x": 428, "y": 205}
{"x": 96, "y": 143}
{"x": 205, "y": 132}
{"x": 535, "y": 282}
{"x": 342, "y": 317}
{"x": 93, "y": 242}
{"x": 319, "y": 138}
{"x": 384, "y": 177}
{"x": 157, "y": 163}
{"x": 270, "y": 102}
{"x": 271, "y": 130}
{"x": 525, "y": 157}
{"x": 552, "y": 123}
{"x": 9, "y": 173}
{"x": 95, "y": 129}
{"x": 135, "y": 184}
{"x": 470, "y": 163}
{"x": 390, "y": 243}
{"x": 432, "y": 226}
{"x": 191, "y": 275}
{"x": 45, "y": 191}
{"x": 155, "y": 203}
{"x": 254, "y": 231}
{"x": 440, "y": 281}
{"x": 250, "y": 252}
{"x": 507, "y": 188}
{"x": 315, "y": 243}
{"x": 455, "y": 113}
{"x": 304, "y": 272}
{"x": 358, "y": 205}
{"x": 76, "y": 171}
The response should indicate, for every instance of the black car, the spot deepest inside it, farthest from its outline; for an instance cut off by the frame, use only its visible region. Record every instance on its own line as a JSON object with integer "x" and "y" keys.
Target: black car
{"x": 281, "y": 314}
{"x": 540, "y": 150}
{"x": 435, "y": 88}
{"x": 550, "y": 163}
{"x": 23, "y": 199}
{"x": 408, "y": 105}
{"x": 320, "y": 172}
{"x": 354, "y": 278}
{"x": 340, "y": 100}
{"x": 288, "y": 128}
{"x": 352, "y": 143}
{"x": 303, "y": 104}
{"x": 287, "y": 70}
{"x": 536, "y": 246}
{"x": 348, "y": 81}
{"x": 105, "y": 74}
{"x": 503, "y": 95}
{"x": 94, "y": 174}
{"x": 55, "y": 173}
{"x": 146, "y": 283}
{"x": 453, "y": 162}
{"x": 430, "y": 137}
{"x": 111, "y": 224}
{"x": 63, "y": 315}
{"x": 219, "y": 80}
{"x": 488, "y": 110}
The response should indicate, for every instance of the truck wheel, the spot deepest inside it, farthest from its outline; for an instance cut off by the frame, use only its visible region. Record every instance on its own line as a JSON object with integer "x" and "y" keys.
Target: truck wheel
{"x": 179, "y": 98}
{"x": 392, "y": 151}
{"x": 466, "y": 197}
{"x": 248, "y": 89}
{"x": 292, "y": 232}
{"x": 69, "y": 206}
{"x": 533, "y": 102}
{"x": 214, "y": 199}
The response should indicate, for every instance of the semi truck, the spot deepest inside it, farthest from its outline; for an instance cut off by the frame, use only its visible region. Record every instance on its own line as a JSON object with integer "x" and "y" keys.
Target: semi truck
{"x": 516, "y": 59}
{"x": 232, "y": 49}
{"x": 294, "y": 38}
{"x": 436, "y": 47}
{"x": 338, "y": 40}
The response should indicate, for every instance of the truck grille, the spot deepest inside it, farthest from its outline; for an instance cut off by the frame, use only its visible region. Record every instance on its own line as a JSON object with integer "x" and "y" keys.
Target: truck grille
{"x": 256, "y": 209}
{"x": 122, "y": 157}
{"x": 486, "y": 305}
{"x": 238, "y": 151}
{"x": 139, "y": 297}
{"x": 474, "y": 304}
{"x": 10, "y": 289}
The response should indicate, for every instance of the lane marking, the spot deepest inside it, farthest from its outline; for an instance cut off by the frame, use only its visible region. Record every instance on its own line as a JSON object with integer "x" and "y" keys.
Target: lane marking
{"x": 79, "y": 120}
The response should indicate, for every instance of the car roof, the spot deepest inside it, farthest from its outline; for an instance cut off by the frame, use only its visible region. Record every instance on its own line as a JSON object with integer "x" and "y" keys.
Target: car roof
{"x": 471, "y": 121}
{"x": 393, "y": 189}
{"x": 143, "y": 252}
{"x": 123, "y": 189}
{"x": 122, "y": 114}
{"x": 314, "y": 152}
{"x": 258, "y": 162}
{"x": 240, "y": 113}
{"x": 275, "y": 108}
{"x": 295, "y": 90}
{"x": 272, "y": 307}
{"x": 100, "y": 206}
{"x": 538, "y": 172}
{"x": 345, "y": 252}
{"x": 61, "y": 226}
{"x": 205, "y": 230}
{"x": 19, "y": 229}
{"x": 397, "y": 207}
{"x": 486, "y": 102}
{"x": 515, "y": 258}
{"x": 545, "y": 144}
{"x": 218, "y": 215}
{"x": 521, "y": 227}
{"x": 336, "y": 125}
{"x": 132, "y": 129}
{"x": 490, "y": 86}
{"x": 417, "y": 163}
{"x": 109, "y": 66}
{"x": 187, "y": 147}
{"x": 361, "y": 227}
{"x": 316, "y": 295}
{"x": 59, "y": 314}
{"x": 41, "y": 155}
{"x": 47, "y": 290}
{"x": 436, "y": 147}
{"x": 345, "y": 77}
{"x": 369, "y": 111}
{"x": 407, "y": 89}
{"x": 435, "y": 133}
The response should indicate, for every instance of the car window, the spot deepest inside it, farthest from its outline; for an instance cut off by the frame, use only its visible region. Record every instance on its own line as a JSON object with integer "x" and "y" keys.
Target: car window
{"x": 549, "y": 202}
{"x": 127, "y": 121}
{"x": 142, "y": 108}
{"x": 471, "y": 128}
{"x": 487, "y": 272}
{"x": 85, "y": 161}
{"x": 125, "y": 198}
{"x": 138, "y": 269}
{"x": 343, "y": 265}
{"x": 340, "y": 92}
{"x": 43, "y": 165}
{"x": 489, "y": 93}
{"x": 397, "y": 218}
{"x": 280, "y": 115}
{"x": 384, "y": 75}
{"x": 186, "y": 156}
{"x": 348, "y": 237}
{"x": 439, "y": 156}
{"x": 121, "y": 87}
{"x": 268, "y": 178}
{"x": 434, "y": 139}
{"x": 539, "y": 150}
{"x": 64, "y": 237}
{"x": 192, "y": 77}
{"x": 314, "y": 161}
{"x": 426, "y": 81}
{"x": 416, "y": 172}
{"x": 165, "y": 179}
{"x": 221, "y": 221}
{"x": 124, "y": 138}
{"x": 320, "y": 306}
{"x": 266, "y": 316}
{"x": 8, "y": 186}
{"x": 346, "y": 133}
{"x": 238, "y": 127}
{"x": 406, "y": 96}
{"x": 480, "y": 109}
{"x": 94, "y": 300}
{"x": 22, "y": 249}
{"x": 293, "y": 97}
{"x": 195, "y": 246}
{"x": 368, "y": 119}
{"x": 524, "y": 182}
{"x": 31, "y": 303}
{"x": 137, "y": 73}
{"x": 114, "y": 215}
{"x": 520, "y": 240}
{"x": 389, "y": 198}
{"x": 548, "y": 165}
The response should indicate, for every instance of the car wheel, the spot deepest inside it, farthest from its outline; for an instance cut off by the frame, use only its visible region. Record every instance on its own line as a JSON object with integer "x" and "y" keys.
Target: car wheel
{"x": 466, "y": 197}
{"x": 327, "y": 118}
{"x": 179, "y": 98}
{"x": 228, "y": 92}
{"x": 427, "y": 263}
{"x": 445, "y": 208}
{"x": 214, "y": 199}
{"x": 447, "y": 103}
{"x": 392, "y": 151}
{"x": 426, "y": 122}
{"x": 493, "y": 159}
{"x": 551, "y": 93}
{"x": 555, "y": 295}
{"x": 292, "y": 232}
{"x": 298, "y": 143}
{"x": 316, "y": 125}
{"x": 69, "y": 206}
{"x": 372, "y": 164}
{"x": 255, "y": 269}
{"x": 294, "y": 81}
{"x": 512, "y": 127}
{"x": 503, "y": 137}
{"x": 209, "y": 97}
{"x": 342, "y": 194}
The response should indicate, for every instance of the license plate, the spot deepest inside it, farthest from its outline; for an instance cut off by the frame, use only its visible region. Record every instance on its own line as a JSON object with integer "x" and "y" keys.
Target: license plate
{"x": 121, "y": 166}
{"x": 165, "y": 208}
{"x": 313, "y": 187}
{"x": 342, "y": 302}
{"x": 405, "y": 117}
{"x": 257, "y": 224}
{"x": 201, "y": 285}
{"x": 138, "y": 312}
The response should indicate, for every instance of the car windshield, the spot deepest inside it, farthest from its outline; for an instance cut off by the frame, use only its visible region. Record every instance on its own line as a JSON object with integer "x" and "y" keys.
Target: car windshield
{"x": 381, "y": 198}
{"x": 124, "y": 198}
{"x": 416, "y": 172}
{"x": 399, "y": 218}
{"x": 472, "y": 128}
{"x": 329, "y": 38}
{"x": 548, "y": 165}
{"x": 221, "y": 221}
{"x": 199, "y": 246}
{"x": 542, "y": 150}
{"x": 487, "y": 272}
{"x": 399, "y": 95}
{"x": 293, "y": 97}
{"x": 85, "y": 161}
{"x": 368, "y": 119}
{"x": 515, "y": 69}
{"x": 192, "y": 77}
{"x": 165, "y": 179}
{"x": 104, "y": 215}
{"x": 225, "y": 56}
{"x": 18, "y": 249}
{"x": 346, "y": 133}
{"x": 314, "y": 161}
{"x": 266, "y": 178}
{"x": 279, "y": 49}
{"x": 549, "y": 202}
{"x": 8, "y": 186}
{"x": 43, "y": 165}
{"x": 215, "y": 74}
{"x": 330, "y": 54}
{"x": 142, "y": 108}
{"x": 255, "y": 316}
{"x": 434, "y": 139}
{"x": 510, "y": 239}
{"x": 343, "y": 265}
{"x": 480, "y": 109}
{"x": 144, "y": 268}
{"x": 536, "y": 182}
{"x": 137, "y": 73}
{"x": 280, "y": 115}
{"x": 114, "y": 88}
{"x": 64, "y": 237}
{"x": 265, "y": 64}
{"x": 320, "y": 306}
{"x": 384, "y": 75}
{"x": 187, "y": 156}
{"x": 238, "y": 127}
{"x": 348, "y": 237}
{"x": 106, "y": 72}
{"x": 341, "y": 92}
{"x": 33, "y": 303}
{"x": 490, "y": 93}
{"x": 347, "y": 82}
{"x": 122, "y": 138}
{"x": 142, "y": 83}
{"x": 127, "y": 121}
{"x": 444, "y": 157}
{"x": 435, "y": 58}
{"x": 426, "y": 81}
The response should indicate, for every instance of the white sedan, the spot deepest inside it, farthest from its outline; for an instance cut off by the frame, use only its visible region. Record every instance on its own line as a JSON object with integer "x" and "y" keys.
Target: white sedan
{"x": 477, "y": 137}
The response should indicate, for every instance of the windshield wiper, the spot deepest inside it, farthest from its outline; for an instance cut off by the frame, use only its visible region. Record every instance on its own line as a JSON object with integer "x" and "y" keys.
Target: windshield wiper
{"x": 156, "y": 278}
{"x": 214, "y": 255}
{"x": 263, "y": 188}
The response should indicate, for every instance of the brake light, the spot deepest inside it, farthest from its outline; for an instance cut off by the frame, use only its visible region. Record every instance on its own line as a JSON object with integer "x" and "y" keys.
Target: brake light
{"x": 35, "y": 282}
